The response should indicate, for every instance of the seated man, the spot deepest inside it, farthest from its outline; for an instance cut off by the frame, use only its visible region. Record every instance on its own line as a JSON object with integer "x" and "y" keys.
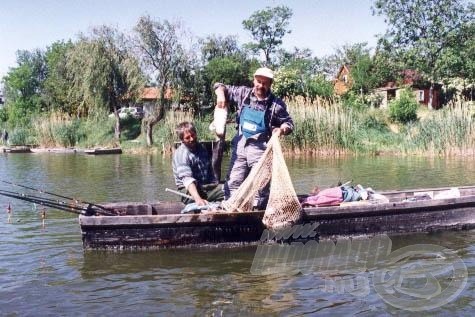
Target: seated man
{"x": 192, "y": 168}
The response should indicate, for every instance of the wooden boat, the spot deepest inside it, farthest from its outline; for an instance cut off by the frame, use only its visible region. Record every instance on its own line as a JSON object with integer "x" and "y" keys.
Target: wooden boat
{"x": 17, "y": 149}
{"x": 161, "y": 225}
{"x": 99, "y": 151}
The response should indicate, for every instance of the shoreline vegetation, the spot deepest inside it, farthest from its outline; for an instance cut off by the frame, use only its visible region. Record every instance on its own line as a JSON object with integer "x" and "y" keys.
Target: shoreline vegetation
{"x": 321, "y": 129}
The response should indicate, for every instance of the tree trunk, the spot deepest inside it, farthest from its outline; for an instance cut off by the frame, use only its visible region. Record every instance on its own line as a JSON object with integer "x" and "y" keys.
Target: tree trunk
{"x": 149, "y": 131}
{"x": 151, "y": 120}
{"x": 117, "y": 123}
{"x": 431, "y": 96}
{"x": 117, "y": 127}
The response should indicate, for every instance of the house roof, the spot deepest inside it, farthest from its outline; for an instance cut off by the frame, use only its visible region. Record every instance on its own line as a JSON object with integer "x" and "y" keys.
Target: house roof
{"x": 411, "y": 78}
{"x": 344, "y": 67}
{"x": 151, "y": 93}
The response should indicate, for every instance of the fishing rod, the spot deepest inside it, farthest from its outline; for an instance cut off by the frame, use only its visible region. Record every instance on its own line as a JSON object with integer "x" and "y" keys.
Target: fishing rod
{"x": 104, "y": 211}
{"x": 45, "y": 202}
{"x": 56, "y": 204}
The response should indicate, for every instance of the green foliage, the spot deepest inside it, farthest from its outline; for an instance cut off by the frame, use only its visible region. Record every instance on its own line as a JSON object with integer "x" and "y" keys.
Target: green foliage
{"x": 375, "y": 120}
{"x": 361, "y": 74}
{"x": 67, "y": 135}
{"x": 162, "y": 52}
{"x": 319, "y": 86}
{"x": 94, "y": 132}
{"x": 21, "y": 111}
{"x": 288, "y": 82}
{"x": 404, "y": 108}
{"x": 421, "y": 32}
{"x": 3, "y": 114}
{"x": 229, "y": 70}
{"x": 297, "y": 77}
{"x": 348, "y": 54}
{"x": 214, "y": 46}
{"x": 20, "y": 136}
{"x": 353, "y": 100}
{"x": 103, "y": 72}
{"x": 267, "y": 28}
{"x": 57, "y": 87}
{"x": 446, "y": 131}
{"x": 23, "y": 87}
{"x": 131, "y": 128}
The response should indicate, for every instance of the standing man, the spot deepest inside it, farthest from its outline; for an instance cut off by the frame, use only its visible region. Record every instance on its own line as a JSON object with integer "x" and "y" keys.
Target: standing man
{"x": 192, "y": 168}
{"x": 260, "y": 114}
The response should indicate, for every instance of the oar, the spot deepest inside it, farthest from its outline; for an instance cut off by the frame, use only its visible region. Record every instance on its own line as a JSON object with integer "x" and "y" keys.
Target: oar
{"x": 107, "y": 211}
{"x": 179, "y": 193}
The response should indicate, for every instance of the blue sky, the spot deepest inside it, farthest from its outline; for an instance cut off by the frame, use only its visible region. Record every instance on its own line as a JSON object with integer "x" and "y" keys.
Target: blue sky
{"x": 321, "y": 25}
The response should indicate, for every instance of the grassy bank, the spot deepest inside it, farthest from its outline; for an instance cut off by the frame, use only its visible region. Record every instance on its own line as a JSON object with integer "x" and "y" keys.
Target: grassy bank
{"x": 320, "y": 129}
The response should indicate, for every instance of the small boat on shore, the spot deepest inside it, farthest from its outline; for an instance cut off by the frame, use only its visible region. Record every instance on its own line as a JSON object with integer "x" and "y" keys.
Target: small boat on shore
{"x": 101, "y": 151}
{"x": 17, "y": 149}
{"x": 162, "y": 225}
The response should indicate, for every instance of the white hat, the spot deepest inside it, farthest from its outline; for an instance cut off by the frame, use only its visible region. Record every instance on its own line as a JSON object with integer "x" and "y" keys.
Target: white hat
{"x": 265, "y": 72}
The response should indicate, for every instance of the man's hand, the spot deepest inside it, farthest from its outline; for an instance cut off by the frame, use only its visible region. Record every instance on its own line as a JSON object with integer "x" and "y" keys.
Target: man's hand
{"x": 201, "y": 202}
{"x": 277, "y": 131}
{"x": 280, "y": 131}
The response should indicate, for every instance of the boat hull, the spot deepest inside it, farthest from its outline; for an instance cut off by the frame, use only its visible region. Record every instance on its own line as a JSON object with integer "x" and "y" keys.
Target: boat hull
{"x": 160, "y": 225}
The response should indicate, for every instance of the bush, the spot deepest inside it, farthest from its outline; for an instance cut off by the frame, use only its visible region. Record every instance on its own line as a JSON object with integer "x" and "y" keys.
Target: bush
{"x": 355, "y": 101}
{"x": 3, "y": 114}
{"x": 67, "y": 134}
{"x": 18, "y": 136}
{"x": 404, "y": 108}
{"x": 375, "y": 120}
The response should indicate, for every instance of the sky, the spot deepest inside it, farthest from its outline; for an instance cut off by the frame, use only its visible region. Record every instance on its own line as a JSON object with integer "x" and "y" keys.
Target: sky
{"x": 320, "y": 25}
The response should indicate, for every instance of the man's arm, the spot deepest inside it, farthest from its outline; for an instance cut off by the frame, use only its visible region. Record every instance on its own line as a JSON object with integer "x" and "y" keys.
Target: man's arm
{"x": 194, "y": 193}
{"x": 282, "y": 121}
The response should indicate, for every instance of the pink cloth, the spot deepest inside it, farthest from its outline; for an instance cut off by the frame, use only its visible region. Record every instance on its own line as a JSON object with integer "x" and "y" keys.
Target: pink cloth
{"x": 326, "y": 197}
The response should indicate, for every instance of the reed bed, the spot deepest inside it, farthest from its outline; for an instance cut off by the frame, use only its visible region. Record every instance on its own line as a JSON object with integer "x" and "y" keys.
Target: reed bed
{"x": 449, "y": 131}
{"x": 321, "y": 128}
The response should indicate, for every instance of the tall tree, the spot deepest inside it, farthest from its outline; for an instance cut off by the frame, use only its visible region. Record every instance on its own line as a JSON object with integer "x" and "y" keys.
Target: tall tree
{"x": 267, "y": 28}
{"x": 161, "y": 52}
{"x": 214, "y": 46}
{"x": 57, "y": 86}
{"x": 23, "y": 86}
{"x": 104, "y": 73}
{"x": 422, "y": 31}
{"x": 226, "y": 62}
{"x": 296, "y": 75}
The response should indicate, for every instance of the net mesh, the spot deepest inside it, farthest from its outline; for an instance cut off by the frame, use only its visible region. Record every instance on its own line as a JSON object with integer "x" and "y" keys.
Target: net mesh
{"x": 283, "y": 208}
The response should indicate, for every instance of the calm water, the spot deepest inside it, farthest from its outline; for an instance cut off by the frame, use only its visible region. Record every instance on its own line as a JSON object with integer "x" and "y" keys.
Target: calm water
{"x": 44, "y": 270}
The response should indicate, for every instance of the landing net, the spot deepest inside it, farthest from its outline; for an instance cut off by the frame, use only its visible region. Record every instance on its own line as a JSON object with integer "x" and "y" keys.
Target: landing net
{"x": 283, "y": 208}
